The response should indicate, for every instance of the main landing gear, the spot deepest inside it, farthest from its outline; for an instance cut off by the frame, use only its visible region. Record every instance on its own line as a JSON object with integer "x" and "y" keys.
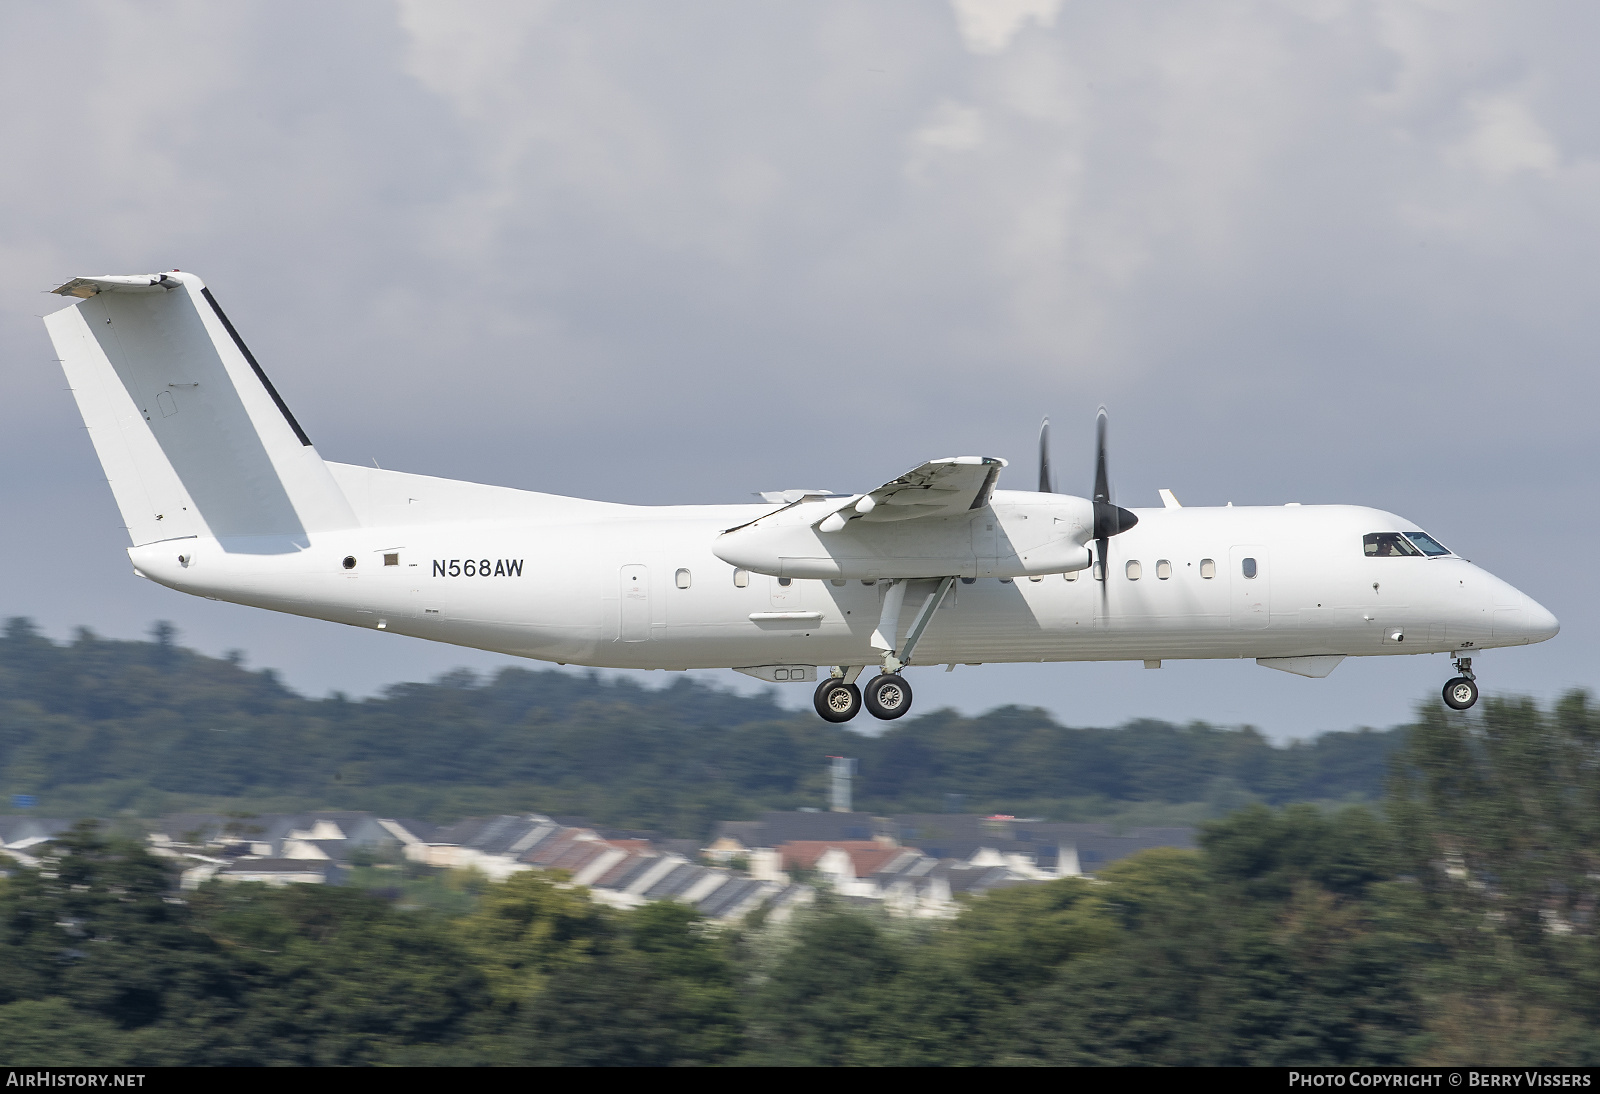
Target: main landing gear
{"x": 887, "y": 696}
{"x": 837, "y": 699}
{"x": 1462, "y": 692}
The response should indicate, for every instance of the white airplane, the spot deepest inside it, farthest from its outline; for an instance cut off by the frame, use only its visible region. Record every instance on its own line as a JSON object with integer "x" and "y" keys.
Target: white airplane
{"x": 225, "y": 497}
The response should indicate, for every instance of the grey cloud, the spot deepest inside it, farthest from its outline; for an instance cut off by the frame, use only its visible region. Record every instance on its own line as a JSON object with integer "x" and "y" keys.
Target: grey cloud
{"x": 1318, "y": 251}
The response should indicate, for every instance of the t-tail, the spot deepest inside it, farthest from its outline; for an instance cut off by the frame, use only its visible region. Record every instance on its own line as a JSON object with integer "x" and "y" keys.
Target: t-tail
{"x": 193, "y": 437}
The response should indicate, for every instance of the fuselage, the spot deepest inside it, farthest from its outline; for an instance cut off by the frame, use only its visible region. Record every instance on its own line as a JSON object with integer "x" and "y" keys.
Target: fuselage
{"x": 608, "y": 585}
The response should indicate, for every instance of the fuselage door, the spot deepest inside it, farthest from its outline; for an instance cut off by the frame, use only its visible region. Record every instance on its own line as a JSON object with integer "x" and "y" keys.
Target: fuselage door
{"x": 788, "y": 593}
{"x": 635, "y": 621}
{"x": 1249, "y": 577}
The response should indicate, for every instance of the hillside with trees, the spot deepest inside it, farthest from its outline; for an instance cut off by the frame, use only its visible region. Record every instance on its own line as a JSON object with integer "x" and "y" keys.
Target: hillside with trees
{"x": 1453, "y": 923}
{"x": 100, "y": 727}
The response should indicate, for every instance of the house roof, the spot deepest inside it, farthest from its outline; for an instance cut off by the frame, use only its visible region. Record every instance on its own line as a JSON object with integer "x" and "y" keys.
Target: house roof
{"x": 805, "y": 853}
{"x": 787, "y": 827}
{"x": 18, "y": 829}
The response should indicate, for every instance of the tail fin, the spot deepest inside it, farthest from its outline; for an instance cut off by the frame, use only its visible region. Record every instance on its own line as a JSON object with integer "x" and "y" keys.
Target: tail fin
{"x": 192, "y": 435}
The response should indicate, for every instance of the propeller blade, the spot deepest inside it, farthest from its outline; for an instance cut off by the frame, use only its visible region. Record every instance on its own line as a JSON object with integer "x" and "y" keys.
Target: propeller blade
{"x": 1109, "y": 520}
{"x": 1045, "y": 485}
{"x": 1104, "y": 545}
{"x": 1102, "y": 482}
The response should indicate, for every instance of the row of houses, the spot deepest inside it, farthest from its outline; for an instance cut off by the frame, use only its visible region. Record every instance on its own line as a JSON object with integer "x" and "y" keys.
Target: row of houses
{"x": 913, "y": 864}
{"x": 19, "y": 836}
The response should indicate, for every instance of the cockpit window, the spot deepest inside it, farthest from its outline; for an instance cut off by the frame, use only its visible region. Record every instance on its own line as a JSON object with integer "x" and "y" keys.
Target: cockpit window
{"x": 1387, "y": 545}
{"x": 1427, "y": 543}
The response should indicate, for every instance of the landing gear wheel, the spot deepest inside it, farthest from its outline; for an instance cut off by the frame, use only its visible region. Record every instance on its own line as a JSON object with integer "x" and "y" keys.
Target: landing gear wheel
{"x": 888, "y": 696}
{"x": 837, "y": 701}
{"x": 1460, "y": 693}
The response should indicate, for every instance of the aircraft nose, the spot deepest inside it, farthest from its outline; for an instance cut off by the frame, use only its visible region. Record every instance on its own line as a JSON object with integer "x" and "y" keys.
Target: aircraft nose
{"x": 1540, "y": 623}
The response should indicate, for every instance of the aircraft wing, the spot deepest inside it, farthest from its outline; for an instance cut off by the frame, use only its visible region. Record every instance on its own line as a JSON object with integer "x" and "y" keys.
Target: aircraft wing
{"x": 938, "y": 488}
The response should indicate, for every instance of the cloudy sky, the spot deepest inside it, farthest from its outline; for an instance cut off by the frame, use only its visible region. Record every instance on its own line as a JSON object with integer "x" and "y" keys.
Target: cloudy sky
{"x": 1316, "y": 251}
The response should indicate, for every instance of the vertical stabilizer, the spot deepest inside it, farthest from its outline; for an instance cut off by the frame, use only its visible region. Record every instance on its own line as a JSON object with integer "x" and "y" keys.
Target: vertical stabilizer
{"x": 193, "y": 437}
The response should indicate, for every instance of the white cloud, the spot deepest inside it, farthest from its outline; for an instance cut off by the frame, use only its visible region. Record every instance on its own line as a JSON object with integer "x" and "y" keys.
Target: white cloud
{"x": 1507, "y": 138}
{"x": 988, "y": 26}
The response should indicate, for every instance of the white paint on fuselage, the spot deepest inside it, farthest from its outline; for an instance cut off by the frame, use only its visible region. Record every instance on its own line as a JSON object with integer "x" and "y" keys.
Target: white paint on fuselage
{"x": 1315, "y": 593}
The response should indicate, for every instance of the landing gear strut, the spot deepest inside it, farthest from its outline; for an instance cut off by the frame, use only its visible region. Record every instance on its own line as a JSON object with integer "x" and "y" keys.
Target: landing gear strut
{"x": 1462, "y": 692}
{"x": 888, "y": 695}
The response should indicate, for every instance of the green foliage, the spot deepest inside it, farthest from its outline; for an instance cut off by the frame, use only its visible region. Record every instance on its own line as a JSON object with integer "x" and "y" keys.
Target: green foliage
{"x": 1455, "y": 924}
{"x": 103, "y": 727}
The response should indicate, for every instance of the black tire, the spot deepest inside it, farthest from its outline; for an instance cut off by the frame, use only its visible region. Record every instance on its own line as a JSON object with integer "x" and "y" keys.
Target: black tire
{"x": 888, "y": 696}
{"x": 1460, "y": 693}
{"x": 837, "y": 701}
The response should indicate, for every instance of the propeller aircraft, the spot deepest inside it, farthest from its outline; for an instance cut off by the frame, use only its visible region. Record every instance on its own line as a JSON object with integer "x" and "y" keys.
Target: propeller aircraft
{"x": 224, "y": 496}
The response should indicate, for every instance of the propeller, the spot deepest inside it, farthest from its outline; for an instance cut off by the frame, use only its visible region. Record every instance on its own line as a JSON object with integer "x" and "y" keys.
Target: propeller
{"x": 1045, "y": 486}
{"x": 1109, "y": 520}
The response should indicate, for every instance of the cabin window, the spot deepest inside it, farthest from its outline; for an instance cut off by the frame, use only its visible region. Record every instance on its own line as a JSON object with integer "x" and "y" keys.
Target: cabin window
{"x": 1005, "y": 581}
{"x": 969, "y": 580}
{"x": 1388, "y": 545}
{"x": 683, "y": 578}
{"x": 1248, "y": 567}
{"x": 1133, "y": 570}
{"x": 1427, "y": 543}
{"x": 1031, "y": 577}
{"x": 741, "y": 578}
{"x": 349, "y": 562}
{"x": 1099, "y": 571}
{"x": 1208, "y": 568}
{"x": 839, "y": 581}
{"x": 786, "y": 581}
{"x": 1071, "y": 575}
{"x": 391, "y": 560}
{"x": 1163, "y": 569}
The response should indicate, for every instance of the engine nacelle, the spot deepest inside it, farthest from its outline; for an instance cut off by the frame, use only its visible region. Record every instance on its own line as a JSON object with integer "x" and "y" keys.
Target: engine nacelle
{"x": 1018, "y": 534}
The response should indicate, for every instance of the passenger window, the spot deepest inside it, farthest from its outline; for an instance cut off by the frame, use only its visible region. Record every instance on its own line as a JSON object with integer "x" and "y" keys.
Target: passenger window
{"x": 786, "y": 581}
{"x": 391, "y": 560}
{"x": 1072, "y": 575}
{"x": 1388, "y": 545}
{"x": 1031, "y": 577}
{"x": 969, "y": 580}
{"x": 1208, "y": 568}
{"x": 1249, "y": 567}
{"x": 1134, "y": 570}
{"x": 741, "y": 578}
{"x": 1099, "y": 571}
{"x": 1427, "y": 543}
{"x": 1163, "y": 570}
{"x": 683, "y": 578}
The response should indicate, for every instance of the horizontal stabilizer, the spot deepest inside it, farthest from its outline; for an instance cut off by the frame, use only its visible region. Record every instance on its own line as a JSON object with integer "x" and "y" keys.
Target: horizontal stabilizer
{"x": 85, "y": 287}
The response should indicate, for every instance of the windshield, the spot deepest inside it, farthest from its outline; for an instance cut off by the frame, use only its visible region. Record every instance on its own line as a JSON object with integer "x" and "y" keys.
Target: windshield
{"x": 1387, "y": 545}
{"x": 1427, "y": 543}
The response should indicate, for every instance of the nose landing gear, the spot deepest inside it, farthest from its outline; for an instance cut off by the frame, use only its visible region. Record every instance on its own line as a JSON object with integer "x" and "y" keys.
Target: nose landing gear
{"x": 1462, "y": 692}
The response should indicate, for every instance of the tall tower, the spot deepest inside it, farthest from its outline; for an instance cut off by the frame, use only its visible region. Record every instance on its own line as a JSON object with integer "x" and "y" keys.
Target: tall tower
{"x": 843, "y": 768}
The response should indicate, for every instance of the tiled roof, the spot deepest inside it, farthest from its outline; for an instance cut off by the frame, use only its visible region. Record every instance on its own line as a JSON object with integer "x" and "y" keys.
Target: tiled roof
{"x": 805, "y": 853}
